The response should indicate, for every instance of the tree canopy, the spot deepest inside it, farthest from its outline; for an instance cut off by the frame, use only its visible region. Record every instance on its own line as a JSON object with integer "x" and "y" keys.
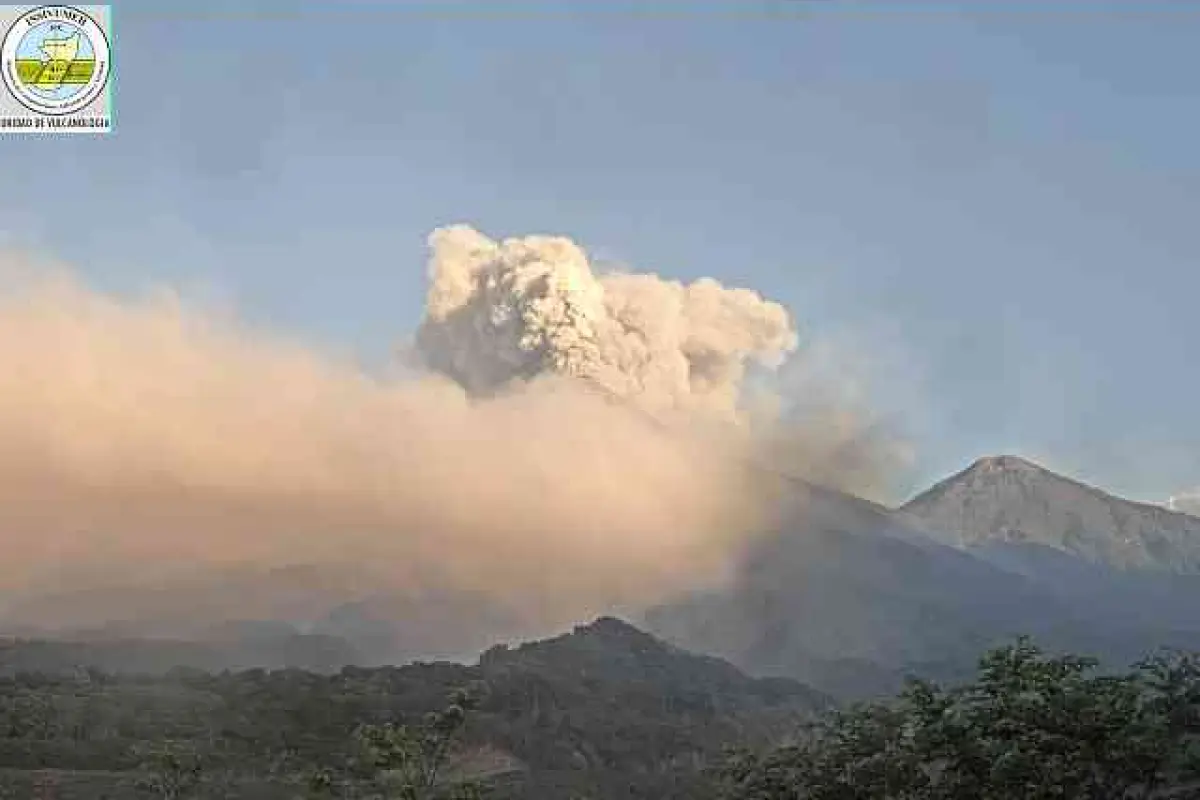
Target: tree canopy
{"x": 1030, "y": 725}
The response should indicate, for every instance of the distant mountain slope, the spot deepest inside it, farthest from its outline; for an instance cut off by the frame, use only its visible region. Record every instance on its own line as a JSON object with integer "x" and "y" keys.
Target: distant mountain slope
{"x": 133, "y": 655}
{"x": 850, "y": 598}
{"x": 1009, "y": 499}
{"x": 847, "y": 599}
{"x": 242, "y": 615}
{"x": 1130, "y": 603}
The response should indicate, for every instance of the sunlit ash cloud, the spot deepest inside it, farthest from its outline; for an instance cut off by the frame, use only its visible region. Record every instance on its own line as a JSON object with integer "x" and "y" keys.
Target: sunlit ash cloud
{"x": 573, "y": 441}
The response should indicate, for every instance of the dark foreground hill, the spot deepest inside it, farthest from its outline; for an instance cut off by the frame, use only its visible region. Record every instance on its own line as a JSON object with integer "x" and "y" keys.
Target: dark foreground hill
{"x": 605, "y": 711}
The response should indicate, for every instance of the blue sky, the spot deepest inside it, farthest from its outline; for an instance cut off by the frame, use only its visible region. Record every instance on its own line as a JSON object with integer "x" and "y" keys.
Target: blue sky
{"x": 994, "y": 208}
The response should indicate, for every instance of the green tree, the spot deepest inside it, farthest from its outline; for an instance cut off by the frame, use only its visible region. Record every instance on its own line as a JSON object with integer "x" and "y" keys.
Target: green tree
{"x": 1029, "y": 726}
{"x": 407, "y": 762}
{"x": 174, "y": 771}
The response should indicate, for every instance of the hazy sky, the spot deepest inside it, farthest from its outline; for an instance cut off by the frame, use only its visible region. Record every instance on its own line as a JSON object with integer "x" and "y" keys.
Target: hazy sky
{"x": 994, "y": 214}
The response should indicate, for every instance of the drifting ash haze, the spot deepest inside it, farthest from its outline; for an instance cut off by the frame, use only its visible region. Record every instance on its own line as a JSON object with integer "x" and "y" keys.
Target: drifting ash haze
{"x": 143, "y": 442}
{"x": 1186, "y": 503}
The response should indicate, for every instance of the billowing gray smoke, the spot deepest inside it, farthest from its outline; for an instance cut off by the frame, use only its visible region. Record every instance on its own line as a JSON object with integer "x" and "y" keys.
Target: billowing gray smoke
{"x": 502, "y": 313}
{"x": 145, "y": 441}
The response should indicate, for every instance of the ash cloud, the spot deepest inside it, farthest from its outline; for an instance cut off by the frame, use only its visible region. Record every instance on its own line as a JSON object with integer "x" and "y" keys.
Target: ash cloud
{"x": 575, "y": 444}
{"x": 1186, "y": 503}
{"x": 499, "y": 313}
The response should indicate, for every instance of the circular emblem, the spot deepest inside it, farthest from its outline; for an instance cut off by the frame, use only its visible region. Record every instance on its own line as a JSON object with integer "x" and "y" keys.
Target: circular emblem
{"x": 55, "y": 60}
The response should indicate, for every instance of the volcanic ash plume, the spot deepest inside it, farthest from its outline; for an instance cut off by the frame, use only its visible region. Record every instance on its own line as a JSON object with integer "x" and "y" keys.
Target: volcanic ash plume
{"x": 142, "y": 441}
{"x": 502, "y": 313}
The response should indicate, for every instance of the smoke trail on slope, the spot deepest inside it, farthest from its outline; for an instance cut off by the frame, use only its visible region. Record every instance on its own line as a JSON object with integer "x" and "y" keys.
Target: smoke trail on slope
{"x": 1186, "y": 503}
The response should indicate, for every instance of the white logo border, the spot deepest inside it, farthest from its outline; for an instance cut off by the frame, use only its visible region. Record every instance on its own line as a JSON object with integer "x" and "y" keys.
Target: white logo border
{"x": 100, "y": 47}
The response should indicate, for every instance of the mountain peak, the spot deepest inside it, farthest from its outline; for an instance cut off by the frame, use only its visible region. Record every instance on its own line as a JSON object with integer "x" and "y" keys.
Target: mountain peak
{"x": 611, "y": 652}
{"x": 1004, "y": 463}
{"x": 602, "y": 640}
{"x": 611, "y": 628}
{"x": 981, "y": 472}
{"x": 1009, "y": 500}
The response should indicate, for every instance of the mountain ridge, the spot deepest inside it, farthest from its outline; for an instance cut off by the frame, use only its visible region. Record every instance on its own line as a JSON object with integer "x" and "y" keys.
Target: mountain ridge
{"x": 1009, "y": 460}
{"x": 851, "y": 598}
{"x": 1011, "y": 499}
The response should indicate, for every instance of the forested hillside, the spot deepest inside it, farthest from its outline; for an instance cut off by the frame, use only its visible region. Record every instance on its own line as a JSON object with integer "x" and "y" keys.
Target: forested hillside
{"x": 606, "y": 711}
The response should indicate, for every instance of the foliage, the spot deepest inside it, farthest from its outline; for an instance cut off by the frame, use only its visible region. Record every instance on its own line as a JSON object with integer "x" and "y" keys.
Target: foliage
{"x": 404, "y": 761}
{"x": 173, "y": 770}
{"x": 605, "y": 711}
{"x": 1029, "y": 726}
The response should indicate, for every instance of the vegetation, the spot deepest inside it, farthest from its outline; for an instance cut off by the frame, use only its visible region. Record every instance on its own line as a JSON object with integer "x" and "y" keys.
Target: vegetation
{"x": 402, "y": 762}
{"x": 172, "y": 772}
{"x": 604, "y": 712}
{"x": 1029, "y": 726}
